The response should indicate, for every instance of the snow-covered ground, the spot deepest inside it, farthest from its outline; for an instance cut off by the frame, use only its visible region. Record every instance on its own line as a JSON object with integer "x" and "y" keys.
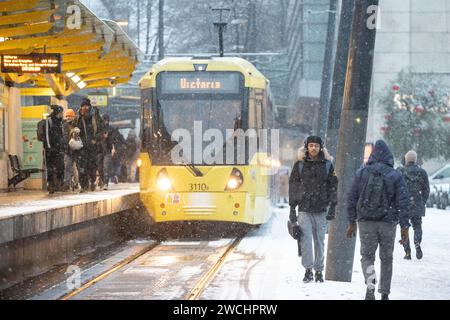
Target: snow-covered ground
{"x": 25, "y": 202}
{"x": 265, "y": 266}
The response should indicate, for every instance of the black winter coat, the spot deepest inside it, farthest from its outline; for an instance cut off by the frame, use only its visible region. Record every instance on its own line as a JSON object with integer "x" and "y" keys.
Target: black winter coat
{"x": 55, "y": 135}
{"x": 312, "y": 190}
{"x": 421, "y": 184}
{"x": 91, "y": 129}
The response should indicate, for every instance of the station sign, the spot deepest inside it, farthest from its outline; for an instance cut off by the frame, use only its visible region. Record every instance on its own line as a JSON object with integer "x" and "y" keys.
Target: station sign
{"x": 31, "y": 63}
{"x": 98, "y": 100}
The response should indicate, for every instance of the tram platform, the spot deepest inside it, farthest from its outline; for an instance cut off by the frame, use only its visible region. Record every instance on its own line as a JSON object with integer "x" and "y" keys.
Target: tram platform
{"x": 38, "y": 230}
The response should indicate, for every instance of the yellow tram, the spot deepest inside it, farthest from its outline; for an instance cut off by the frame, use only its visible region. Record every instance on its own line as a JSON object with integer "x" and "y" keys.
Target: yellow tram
{"x": 189, "y": 104}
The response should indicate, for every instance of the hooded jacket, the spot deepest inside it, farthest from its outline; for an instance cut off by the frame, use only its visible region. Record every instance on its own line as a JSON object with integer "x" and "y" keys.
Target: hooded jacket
{"x": 382, "y": 161}
{"x": 312, "y": 190}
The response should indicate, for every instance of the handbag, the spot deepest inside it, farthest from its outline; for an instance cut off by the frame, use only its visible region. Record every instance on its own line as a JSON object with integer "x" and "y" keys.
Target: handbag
{"x": 75, "y": 144}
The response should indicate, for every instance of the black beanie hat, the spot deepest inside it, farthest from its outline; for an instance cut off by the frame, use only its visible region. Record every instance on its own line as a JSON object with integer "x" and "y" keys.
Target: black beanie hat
{"x": 314, "y": 139}
{"x": 86, "y": 102}
{"x": 56, "y": 109}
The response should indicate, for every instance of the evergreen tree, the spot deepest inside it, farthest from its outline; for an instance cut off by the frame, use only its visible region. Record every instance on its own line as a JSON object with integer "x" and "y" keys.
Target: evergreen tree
{"x": 416, "y": 108}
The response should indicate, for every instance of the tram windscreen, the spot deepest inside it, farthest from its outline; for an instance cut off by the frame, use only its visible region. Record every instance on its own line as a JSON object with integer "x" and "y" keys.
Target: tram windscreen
{"x": 196, "y": 103}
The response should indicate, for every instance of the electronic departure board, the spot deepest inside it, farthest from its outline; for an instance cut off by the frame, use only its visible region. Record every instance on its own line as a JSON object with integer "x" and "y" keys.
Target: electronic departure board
{"x": 31, "y": 63}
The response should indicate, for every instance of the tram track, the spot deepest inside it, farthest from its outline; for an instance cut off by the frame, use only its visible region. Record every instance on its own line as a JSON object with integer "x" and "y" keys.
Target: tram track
{"x": 113, "y": 269}
{"x": 204, "y": 281}
{"x": 194, "y": 293}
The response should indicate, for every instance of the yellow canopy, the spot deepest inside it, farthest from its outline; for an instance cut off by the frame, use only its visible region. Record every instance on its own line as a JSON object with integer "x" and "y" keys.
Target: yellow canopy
{"x": 95, "y": 53}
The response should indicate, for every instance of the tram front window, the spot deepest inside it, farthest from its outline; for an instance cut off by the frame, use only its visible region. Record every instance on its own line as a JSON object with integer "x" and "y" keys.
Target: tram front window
{"x": 196, "y": 117}
{"x": 192, "y": 104}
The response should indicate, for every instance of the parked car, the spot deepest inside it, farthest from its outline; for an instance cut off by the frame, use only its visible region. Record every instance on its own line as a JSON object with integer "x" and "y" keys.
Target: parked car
{"x": 440, "y": 188}
{"x": 441, "y": 176}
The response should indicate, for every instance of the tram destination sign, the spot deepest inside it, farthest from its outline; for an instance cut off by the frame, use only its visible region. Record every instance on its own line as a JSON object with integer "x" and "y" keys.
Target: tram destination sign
{"x": 200, "y": 82}
{"x": 31, "y": 63}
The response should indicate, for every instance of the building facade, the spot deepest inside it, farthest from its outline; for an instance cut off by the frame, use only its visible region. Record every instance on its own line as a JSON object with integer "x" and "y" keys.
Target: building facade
{"x": 413, "y": 34}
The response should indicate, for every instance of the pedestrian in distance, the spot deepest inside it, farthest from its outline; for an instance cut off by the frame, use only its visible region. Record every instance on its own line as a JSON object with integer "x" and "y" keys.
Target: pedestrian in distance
{"x": 378, "y": 201}
{"x": 312, "y": 190}
{"x": 107, "y": 150}
{"x": 418, "y": 186}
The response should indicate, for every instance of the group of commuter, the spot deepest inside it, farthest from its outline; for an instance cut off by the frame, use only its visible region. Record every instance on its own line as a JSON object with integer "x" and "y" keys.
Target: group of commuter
{"x": 83, "y": 151}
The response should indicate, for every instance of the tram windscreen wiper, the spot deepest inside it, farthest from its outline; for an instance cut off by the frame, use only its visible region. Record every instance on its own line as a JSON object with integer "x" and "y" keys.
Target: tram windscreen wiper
{"x": 194, "y": 169}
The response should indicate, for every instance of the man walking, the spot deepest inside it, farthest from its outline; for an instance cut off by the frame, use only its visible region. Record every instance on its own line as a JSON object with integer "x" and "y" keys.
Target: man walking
{"x": 378, "y": 200}
{"x": 313, "y": 188}
{"x": 418, "y": 186}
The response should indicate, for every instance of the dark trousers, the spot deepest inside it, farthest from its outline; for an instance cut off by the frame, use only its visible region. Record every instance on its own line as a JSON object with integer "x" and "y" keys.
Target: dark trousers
{"x": 372, "y": 234}
{"x": 417, "y": 227}
{"x": 55, "y": 169}
{"x": 87, "y": 167}
{"x": 104, "y": 165}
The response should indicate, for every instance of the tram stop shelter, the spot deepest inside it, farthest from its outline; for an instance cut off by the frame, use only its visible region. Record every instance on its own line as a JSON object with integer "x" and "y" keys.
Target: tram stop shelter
{"x": 81, "y": 51}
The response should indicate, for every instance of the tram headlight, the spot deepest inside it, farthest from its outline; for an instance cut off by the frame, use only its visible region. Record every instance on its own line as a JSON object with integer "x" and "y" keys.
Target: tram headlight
{"x": 139, "y": 163}
{"x": 235, "y": 181}
{"x": 163, "y": 181}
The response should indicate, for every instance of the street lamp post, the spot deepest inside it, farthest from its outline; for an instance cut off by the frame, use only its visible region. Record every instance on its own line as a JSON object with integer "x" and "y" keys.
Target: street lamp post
{"x": 220, "y": 26}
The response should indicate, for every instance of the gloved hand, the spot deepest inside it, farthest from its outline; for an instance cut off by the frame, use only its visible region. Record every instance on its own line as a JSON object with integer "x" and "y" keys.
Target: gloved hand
{"x": 293, "y": 215}
{"x": 331, "y": 213}
{"x": 404, "y": 236}
{"x": 351, "y": 230}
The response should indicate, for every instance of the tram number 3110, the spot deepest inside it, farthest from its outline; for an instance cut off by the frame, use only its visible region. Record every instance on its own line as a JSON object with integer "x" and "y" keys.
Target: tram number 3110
{"x": 198, "y": 187}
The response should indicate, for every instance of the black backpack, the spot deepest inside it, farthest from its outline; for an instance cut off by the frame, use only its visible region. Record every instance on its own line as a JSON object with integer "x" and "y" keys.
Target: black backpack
{"x": 414, "y": 184}
{"x": 372, "y": 201}
{"x": 41, "y": 129}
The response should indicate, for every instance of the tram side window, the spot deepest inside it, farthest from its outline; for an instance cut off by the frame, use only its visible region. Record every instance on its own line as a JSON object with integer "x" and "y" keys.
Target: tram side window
{"x": 252, "y": 110}
{"x": 147, "y": 127}
{"x": 2, "y": 129}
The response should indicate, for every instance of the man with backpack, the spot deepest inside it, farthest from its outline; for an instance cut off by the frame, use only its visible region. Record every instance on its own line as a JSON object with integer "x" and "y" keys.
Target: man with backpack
{"x": 419, "y": 189}
{"x": 378, "y": 200}
{"x": 313, "y": 189}
{"x": 50, "y": 133}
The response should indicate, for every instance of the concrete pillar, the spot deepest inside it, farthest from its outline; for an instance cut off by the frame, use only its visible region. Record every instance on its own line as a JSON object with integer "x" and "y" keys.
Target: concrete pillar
{"x": 15, "y": 143}
{"x": 3, "y": 140}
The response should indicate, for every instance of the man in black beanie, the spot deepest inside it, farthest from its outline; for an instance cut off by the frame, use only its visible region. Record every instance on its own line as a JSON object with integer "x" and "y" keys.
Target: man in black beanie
{"x": 90, "y": 124}
{"x": 313, "y": 190}
{"x": 54, "y": 149}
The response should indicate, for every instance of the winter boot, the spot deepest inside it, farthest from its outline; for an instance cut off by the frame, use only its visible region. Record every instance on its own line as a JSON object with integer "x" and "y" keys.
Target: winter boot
{"x": 370, "y": 294}
{"x": 419, "y": 253}
{"x": 407, "y": 254}
{"x": 319, "y": 276}
{"x": 384, "y": 296}
{"x": 308, "y": 276}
